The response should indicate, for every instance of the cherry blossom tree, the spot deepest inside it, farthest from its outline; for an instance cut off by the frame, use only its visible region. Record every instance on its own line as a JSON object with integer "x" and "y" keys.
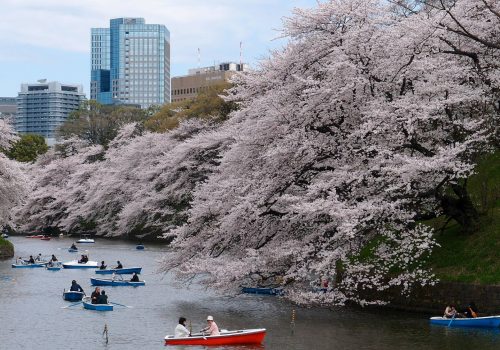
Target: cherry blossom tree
{"x": 139, "y": 187}
{"x": 366, "y": 123}
{"x": 12, "y": 180}
{"x": 346, "y": 139}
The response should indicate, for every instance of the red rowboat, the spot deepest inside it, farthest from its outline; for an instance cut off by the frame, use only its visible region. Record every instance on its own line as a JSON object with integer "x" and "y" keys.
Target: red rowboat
{"x": 45, "y": 238}
{"x": 35, "y": 236}
{"x": 238, "y": 337}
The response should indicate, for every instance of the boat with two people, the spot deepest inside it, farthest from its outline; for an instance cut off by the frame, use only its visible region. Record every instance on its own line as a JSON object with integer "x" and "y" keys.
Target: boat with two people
{"x": 116, "y": 282}
{"x": 235, "y": 337}
{"x": 483, "y": 322}
{"x": 29, "y": 263}
{"x": 122, "y": 271}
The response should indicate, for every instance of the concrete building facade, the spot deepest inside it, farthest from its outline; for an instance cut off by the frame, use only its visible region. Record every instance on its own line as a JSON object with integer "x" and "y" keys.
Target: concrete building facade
{"x": 198, "y": 79}
{"x": 43, "y": 107}
{"x": 8, "y": 107}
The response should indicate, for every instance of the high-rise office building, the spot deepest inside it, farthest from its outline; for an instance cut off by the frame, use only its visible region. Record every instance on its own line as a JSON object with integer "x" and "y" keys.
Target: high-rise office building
{"x": 43, "y": 107}
{"x": 188, "y": 86}
{"x": 130, "y": 63}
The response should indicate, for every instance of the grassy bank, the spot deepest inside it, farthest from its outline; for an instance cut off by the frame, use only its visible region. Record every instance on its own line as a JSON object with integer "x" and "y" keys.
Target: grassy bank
{"x": 473, "y": 258}
{"x": 6, "y": 249}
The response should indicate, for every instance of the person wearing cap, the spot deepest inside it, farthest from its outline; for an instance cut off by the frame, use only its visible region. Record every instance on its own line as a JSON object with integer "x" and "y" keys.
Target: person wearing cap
{"x": 212, "y": 328}
{"x": 180, "y": 330}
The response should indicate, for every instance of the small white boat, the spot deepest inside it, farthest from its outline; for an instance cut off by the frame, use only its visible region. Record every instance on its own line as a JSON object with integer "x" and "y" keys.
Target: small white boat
{"x": 85, "y": 239}
{"x": 74, "y": 264}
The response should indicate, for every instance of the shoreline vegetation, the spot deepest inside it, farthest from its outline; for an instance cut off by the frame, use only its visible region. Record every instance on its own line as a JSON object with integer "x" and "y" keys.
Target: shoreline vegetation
{"x": 6, "y": 249}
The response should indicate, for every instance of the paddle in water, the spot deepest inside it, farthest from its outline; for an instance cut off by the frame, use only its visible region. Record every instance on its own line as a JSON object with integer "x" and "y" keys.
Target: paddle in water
{"x": 452, "y": 319}
{"x": 111, "y": 302}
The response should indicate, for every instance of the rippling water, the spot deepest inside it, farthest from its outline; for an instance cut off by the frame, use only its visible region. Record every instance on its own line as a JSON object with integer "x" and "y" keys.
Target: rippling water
{"x": 32, "y": 317}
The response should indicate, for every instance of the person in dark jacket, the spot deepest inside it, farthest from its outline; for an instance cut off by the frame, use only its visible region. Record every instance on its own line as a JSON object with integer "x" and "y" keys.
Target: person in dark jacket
{"x": 73, "y": 246}
{"x": 53, "y": 259}
{"x": 119, "y": 265}
{"x": 471, "y": 310}
{"x": 135, "y": 278}
{"x": 103, "y": 298}
{"x": 102, "y": 267}
{"x": 31, "y": 260}
{"x": 75, "y": 287}
{"x": 95, "y": 295}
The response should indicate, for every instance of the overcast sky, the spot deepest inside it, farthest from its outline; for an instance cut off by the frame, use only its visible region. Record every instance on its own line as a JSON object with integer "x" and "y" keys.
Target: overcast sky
{"x": 51, "y": 38}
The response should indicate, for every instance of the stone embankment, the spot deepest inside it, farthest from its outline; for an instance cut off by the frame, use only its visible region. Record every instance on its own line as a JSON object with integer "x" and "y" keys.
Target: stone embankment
{"x": 433, "y": 299}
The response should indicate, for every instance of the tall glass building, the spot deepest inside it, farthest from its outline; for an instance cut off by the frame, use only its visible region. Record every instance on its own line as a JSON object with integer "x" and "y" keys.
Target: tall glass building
{"x": 130, "y": 63}
{"x": 43, "y": 107}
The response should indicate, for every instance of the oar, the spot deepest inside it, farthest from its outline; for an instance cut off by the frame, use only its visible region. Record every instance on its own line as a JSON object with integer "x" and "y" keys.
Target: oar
{"x": 65, "y": 307}
{"x": 452, "y": 319}
{"x": 130, "y": 307}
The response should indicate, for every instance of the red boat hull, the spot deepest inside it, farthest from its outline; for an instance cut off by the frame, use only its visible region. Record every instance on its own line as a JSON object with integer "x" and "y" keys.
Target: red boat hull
{"x": 45, "y": 238}
{"x": 35, "y": 236}
{"x": 230, "y": 339}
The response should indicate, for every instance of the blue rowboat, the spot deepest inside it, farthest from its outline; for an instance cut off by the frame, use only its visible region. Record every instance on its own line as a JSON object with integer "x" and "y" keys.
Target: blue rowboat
{"x": 73, "y": 296}
{"x": 129, "y": 270}
{"x": 110, "y": 282}
{"x": 139, "y": 247}
{"x": 266, "y": 291}
{"x": 97, "y": 307}
{"x": 53, "y": 268}
{"x": 74, "y": 264}
{"x": 71, "y": 250}
{"x": 485, "y": 322}
{"x": 24, "y": 266}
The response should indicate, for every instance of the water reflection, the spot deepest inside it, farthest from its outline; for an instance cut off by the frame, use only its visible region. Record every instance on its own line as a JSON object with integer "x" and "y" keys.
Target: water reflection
{"x": 31, "y": 313}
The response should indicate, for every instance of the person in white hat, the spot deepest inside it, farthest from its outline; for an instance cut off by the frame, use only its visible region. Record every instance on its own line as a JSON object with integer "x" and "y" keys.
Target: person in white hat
{"x": 212, "y": 328}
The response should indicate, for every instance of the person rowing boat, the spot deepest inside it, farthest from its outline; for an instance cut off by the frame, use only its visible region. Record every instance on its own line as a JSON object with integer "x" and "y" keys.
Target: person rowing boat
{"x": 75, "y": 287}
{"x": 211, "y": 328}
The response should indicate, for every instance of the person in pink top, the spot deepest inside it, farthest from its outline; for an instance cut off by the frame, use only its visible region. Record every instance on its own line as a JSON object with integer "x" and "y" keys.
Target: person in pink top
{"x": 212, "y": 328}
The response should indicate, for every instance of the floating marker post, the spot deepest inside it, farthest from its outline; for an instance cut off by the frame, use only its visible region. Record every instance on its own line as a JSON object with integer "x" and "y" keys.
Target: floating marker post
{"x": 292, "y": 324}
{"x": 105, "y": 332}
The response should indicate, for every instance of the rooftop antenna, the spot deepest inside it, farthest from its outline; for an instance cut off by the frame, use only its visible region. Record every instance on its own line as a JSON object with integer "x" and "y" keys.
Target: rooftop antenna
{"x": 241, "y": 55}
{"x": 199, "y": 58}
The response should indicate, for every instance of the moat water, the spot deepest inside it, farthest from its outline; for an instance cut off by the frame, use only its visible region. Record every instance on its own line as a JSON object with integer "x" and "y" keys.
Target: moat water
{"x": 32, "y": 314}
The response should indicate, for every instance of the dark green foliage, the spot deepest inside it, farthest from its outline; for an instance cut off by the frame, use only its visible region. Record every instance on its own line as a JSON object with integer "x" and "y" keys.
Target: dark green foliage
{"x": 99, "y": 124}
{"x": 28, "y": 148}
{"x": 473, "y": 258}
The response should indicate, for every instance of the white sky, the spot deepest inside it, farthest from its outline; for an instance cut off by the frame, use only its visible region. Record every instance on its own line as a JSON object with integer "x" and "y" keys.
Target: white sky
{"x": 51, "y": 38}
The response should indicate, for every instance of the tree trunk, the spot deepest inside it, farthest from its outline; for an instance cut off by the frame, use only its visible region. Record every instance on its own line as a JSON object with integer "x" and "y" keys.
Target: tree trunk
{"x": 461, "y": 208}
